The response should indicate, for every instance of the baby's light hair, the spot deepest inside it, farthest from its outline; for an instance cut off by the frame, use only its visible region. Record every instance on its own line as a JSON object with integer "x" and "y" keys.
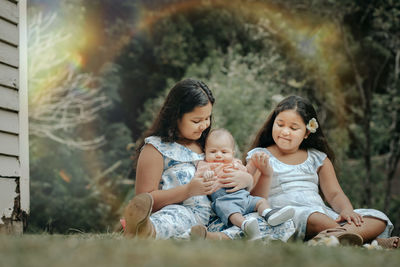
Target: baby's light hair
{"x": 220, "y": 132}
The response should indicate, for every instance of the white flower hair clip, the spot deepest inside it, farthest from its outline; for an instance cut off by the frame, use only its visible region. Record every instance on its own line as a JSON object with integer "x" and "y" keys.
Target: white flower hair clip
{"x": 312, "y": 125}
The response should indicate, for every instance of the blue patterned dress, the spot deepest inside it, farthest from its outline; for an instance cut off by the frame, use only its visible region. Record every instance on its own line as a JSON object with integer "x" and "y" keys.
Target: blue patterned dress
{"x": 175, "y": 221}
{"x": 297, "y": 186}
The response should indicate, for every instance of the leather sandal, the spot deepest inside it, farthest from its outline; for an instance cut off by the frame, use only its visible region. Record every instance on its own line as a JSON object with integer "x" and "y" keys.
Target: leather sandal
{"x": 344, "y": 237}
{"x": 391, "y": 242}
{"x": 137, "y": 215}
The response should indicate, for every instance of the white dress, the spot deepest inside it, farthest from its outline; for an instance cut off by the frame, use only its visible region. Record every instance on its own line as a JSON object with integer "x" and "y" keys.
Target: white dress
{"x": 297, "y": 186}
{"x": 175, "y": 221}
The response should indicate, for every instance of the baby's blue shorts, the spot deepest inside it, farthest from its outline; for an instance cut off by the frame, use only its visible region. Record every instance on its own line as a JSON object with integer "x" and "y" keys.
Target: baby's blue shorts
{"x": 225, "y": 204}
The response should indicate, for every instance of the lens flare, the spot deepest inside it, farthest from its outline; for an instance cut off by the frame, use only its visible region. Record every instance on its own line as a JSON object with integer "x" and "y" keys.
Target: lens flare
{"x": 76, "y": 61}
{"x": 308, "y": 39}
{"x": 312, "y": 41}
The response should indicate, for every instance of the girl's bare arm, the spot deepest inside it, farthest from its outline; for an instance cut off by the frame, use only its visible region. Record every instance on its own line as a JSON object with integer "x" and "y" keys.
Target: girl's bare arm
{"x": 259, "y": 167}
{"x": 334, "y": 194}
{"x": 148, "y": 175}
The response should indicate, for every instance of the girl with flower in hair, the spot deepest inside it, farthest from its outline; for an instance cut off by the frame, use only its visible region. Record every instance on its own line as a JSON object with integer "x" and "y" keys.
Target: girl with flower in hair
{"x": 301, "y": 160}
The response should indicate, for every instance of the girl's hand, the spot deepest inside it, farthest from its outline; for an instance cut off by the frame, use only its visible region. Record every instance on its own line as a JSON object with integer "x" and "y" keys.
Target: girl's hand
{"x": 350, "y": 216}
{"x": 236, "y": 179}
{"x": 200, "y": 186}
{"x": 261, "y": 162}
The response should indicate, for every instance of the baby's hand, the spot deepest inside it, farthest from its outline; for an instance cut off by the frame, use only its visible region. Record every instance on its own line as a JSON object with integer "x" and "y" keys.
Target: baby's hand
{"x": 261, "y": 161}
{"x": 235, "y": 165}
{"x": 208, "y": 175}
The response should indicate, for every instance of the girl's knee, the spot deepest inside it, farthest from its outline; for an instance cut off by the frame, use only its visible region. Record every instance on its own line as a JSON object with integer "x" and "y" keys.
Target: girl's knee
{"x": 317, "y": 222}
{"x": 320, "y": 221}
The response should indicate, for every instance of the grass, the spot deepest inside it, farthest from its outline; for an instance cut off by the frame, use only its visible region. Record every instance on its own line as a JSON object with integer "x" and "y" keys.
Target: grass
{"x": 113, "y": 250}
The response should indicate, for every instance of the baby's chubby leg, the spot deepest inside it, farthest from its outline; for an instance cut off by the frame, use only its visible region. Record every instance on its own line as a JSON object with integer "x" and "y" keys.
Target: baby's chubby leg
{"x": 249, "y": 226}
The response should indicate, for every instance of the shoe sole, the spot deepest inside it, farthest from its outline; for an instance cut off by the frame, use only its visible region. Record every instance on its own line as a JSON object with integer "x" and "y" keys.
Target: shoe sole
{"x": 350, "y": 239}
{"x": 136, "y": 213}
{"x": 344, "y": 238}
{"x": 281, "y": 216}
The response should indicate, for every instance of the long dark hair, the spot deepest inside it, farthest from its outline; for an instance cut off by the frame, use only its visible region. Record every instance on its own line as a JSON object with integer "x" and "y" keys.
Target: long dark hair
{"x": 306, "y": 111}
{"x": 183, "y": 98}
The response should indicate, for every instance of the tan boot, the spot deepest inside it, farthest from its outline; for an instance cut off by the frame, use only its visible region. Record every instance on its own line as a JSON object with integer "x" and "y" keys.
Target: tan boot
{"x": 200, "y": 232}
{"x": 146, "y": 230}
{"x": 137, "y": 215}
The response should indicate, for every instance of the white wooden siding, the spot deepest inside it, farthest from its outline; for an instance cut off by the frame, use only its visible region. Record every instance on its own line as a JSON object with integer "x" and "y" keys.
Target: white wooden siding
{"x": 9, "y": 166}
{"x": 9, "y": 32}
{"x": 9, "y": 144}
{"x": 9, "y": 10}
{"x": 9, "y": 99}
{"x": 23, "y": 111}
{"x": 7, "y": 197}
{"x": 14, "y": 147}
{"x": 8, "y": 76}
{"x": 9, "y": 121}
{"x": 8, "y": 54}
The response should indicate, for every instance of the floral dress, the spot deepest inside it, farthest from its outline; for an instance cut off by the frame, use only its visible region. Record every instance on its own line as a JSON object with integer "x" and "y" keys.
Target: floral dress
{"x": 175, "y": 221}
{"x": 297, "y": 186}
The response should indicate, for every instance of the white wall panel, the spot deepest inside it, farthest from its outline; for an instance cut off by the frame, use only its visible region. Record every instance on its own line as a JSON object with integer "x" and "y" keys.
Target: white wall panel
{"x": 9, "y": 10}
{"x": 7, "y": 196}
{"x": 9, "y": 121}
{"x": 8, "y": 76}
{"x": 9, "y": 144}
{"x": 9, "y": 99}
{"x": 9, "y": 54}
{"x": 9, "y": 32}
{"x": 9, "y": 166}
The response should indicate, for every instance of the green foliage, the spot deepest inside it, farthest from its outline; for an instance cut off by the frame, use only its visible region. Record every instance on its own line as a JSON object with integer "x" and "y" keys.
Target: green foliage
{"x": 57, "y": 204}
{"x": 168, "y": 47}
{"x": 246, "y": 87}
{"x": 243, "y": 86}
{"x": 380, "y": 123}
{"x": 74, "y": 190}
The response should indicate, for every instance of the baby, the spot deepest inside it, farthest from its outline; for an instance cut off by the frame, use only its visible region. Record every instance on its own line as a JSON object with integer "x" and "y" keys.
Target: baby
{"x": 230, "y": 207}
